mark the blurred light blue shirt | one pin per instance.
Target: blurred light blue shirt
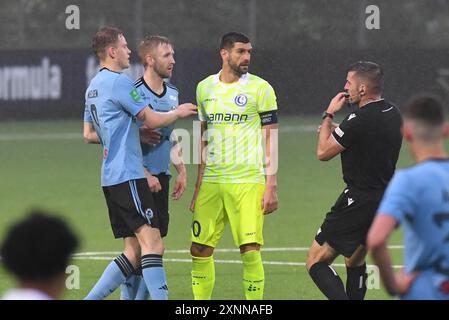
(418, 198)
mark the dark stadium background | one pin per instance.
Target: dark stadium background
(301, 47)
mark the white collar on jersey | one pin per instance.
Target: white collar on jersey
(373, 101)
(243, 79)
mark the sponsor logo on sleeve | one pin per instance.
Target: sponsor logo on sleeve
(135, 95)
(339, 132)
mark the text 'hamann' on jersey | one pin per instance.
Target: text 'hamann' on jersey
(227, 117)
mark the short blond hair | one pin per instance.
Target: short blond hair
(148, 44)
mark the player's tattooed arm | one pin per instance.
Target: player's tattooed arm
(153, 119)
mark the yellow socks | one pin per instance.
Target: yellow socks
(203, 277)
(253, 275)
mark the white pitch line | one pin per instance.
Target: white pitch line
(281, 249)
(278, 263)
(396, 247)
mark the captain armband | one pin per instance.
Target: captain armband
(268, 117)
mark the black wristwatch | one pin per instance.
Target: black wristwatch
(327, 114)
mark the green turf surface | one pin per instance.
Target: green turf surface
(63, 175)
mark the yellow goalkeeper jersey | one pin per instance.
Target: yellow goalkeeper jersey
(232, 111)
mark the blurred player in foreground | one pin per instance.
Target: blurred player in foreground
(37, 251)
(418, 198)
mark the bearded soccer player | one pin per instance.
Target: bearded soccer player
(157, 56)
(238, 114)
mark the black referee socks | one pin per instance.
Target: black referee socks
(328, 281)
(356, 282)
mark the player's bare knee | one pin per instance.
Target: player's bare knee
(132, 250)
(318, 254)
(311, 260)
(249, 247)
(134, 247)
(156, 247)
(131, 243)
(150, 240)
(159, 247)
(199, 250)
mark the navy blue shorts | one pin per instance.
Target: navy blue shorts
(130, 205)
(161, 201)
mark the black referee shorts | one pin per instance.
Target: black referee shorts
(346, 226)
(161, 201)
(130, 205)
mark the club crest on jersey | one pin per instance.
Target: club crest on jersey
(241, 100)
(149, 214)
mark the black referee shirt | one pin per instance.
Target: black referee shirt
(372, 140)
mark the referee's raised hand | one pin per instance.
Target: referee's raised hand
(337, 103)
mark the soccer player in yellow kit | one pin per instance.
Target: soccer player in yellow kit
(238, 114)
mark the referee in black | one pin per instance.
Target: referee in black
(369, 140)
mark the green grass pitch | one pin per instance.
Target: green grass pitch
(46, 165)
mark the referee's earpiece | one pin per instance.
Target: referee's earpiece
(362, 90)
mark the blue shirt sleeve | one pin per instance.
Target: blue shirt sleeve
(87, 115)
(398, 199)
(127, 95)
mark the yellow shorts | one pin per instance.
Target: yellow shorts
(240, 204)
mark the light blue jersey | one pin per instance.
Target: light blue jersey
(418, 198)
(112, 104)
(157, 159)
